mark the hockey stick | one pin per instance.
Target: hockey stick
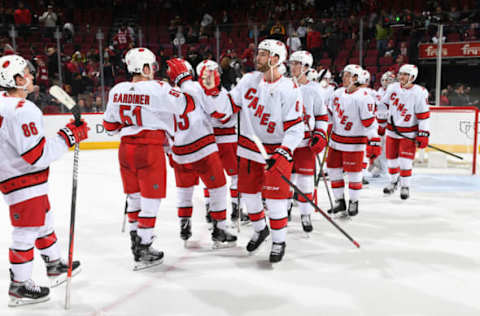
(430, 146)
(66, 100)
(294, 187)
(238, 166)
(125, 215)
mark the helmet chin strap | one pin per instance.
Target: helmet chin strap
(24, 87)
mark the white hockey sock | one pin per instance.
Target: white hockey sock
(337, 182)
(46, 241)
(277, 212)
(354, 185)
(147, 218)
(254, 205)
(133, 209)
(305, 184)
(405, 171)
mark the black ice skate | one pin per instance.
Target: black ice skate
(306, 223)
(278, 250)
(146, 256)
(365, 181)
(222, 238)
(391, 188)
(57, 271)
(208, 218)
(22, 293)
(352, 208)
(404, 193)
(135, 241)
(340, 206)
(185, 229)
(257, 239)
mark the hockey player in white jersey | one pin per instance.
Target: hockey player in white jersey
(406, 110)
(354, 125)
(195, 156)
(141, 112)
(226, 139)
(316, 122)
(25, 155)
(270, 107)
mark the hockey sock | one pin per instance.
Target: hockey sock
(305, 184)
(147, 218)
(46, 243)
(254, 205)
(337, 182)
(405, 171)
(278, 219)
(133, 209)
(354, 185)
(21, 252)
(393, 169)
(218, 205)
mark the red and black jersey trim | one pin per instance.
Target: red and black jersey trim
(249, 144)
(224, 131)
(423, 116)
(190, 106)
(350, 140)
(112, 126)
(24, 181)
(321, 118)
(194, 146)
(288, 124)
(401, 129)
(217, 115)
(235, 107)
(381, 121)
(35, 153)
(368, 122)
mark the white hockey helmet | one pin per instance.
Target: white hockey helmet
(312, 75)
(189, 67)
(302, 56)
(354, 70)
(364, 77)
(274, 47)
(327, 77)
(387, 78)
(282, 69)
(209, 64)
(411, 70)
(138, 57)
(11, 66)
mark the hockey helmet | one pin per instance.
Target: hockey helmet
(274, 47)
(302, 56)
(411, 70)
(11, 66)
(138, 57)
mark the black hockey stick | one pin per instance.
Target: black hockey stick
(296, 189)
(125, 215)
(66, 100)
(414, 140)
(238, 167)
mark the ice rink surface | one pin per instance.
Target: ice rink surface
(417, 257)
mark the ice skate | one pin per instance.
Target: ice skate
(222, 238)
(23, 293)
(236, 212)
(340, 206)
(207, 214)
(134, 240)
(146, 256)
(404, 193)
(391, 188)
(365, 181)
(257, 239)
(352, 208)
(306, 223)
(57, 271)
(185, 230)
(278, 251)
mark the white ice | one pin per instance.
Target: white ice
(417, 257)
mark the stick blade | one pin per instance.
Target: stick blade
(62, 96)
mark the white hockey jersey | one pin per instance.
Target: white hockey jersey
(408, 108)
(315, 114)
(25, 152)
(353, 120)
(225, 131)
(145, 105)
(270, 110)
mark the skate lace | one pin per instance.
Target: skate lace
(32, 287)
(276, 248)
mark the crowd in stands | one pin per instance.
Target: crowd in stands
(328, 29)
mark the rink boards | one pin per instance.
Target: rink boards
(452, 131)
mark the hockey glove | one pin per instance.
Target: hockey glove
(281, 161)
(422, 139)
(210, 81)
(177, 71)
(74, 134)
(381, 130)
(373, 148)
(318, 141)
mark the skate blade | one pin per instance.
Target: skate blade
(145, 265)
(223, 245)
(60, 279)
(343, 215)
(15, 301)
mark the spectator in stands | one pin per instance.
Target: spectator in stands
(108, 72)
(23, 19)
(444, 98)
(314, 43)
(468, 98)
(293, 42)
(41, 78)
(49, 20)
(52, 62)
(391, 50)
(97, 106)
(302, 32)
(122, 40)
(38, 97)
(278, 31)
(382, 35)
(82, 105)
(453, 14)
(436, 38)
(6, 19)
(248, 58)
(193, 57)
(262, 31)
(403, 49)
(458, 97)
(68, 32)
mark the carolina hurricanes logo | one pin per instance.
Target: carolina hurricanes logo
(5, 64)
